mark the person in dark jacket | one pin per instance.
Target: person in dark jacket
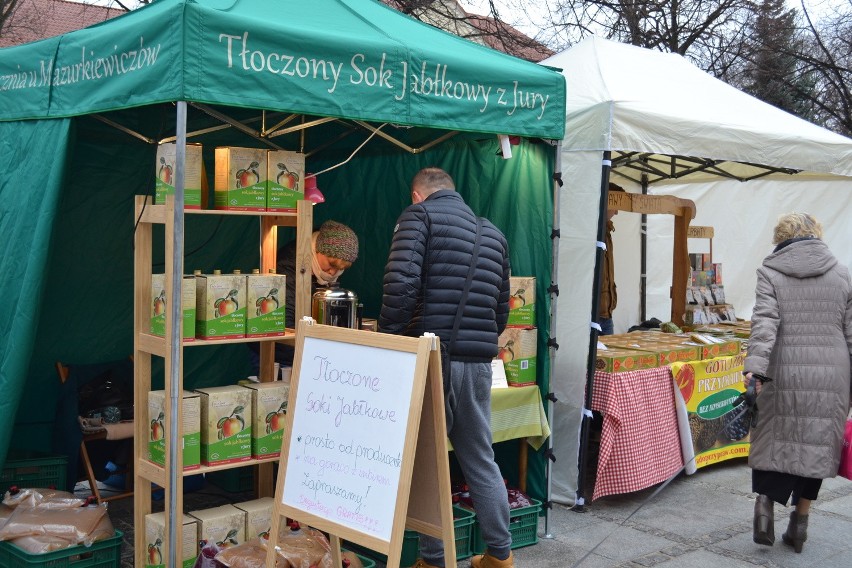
(430, 257)
(801, 339)
(334, 247)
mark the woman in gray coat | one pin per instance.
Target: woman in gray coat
(801, 343)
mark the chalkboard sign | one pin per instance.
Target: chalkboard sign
(348, 433)
(364, 408)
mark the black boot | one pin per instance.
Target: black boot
(764, 521)
(797, 531)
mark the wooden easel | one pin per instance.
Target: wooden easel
(419, 496)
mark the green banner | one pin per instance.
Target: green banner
(354, 59)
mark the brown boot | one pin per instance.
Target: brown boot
(797, 531)
(764, 521)
(422, 564)
(488, 561)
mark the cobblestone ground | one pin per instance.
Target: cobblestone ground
(702, 520)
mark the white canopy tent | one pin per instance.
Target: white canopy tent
(657, 117)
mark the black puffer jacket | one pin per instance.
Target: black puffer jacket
(427, 267)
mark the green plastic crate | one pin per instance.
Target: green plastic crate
(523, 526)
(31, 469)
(367, 562)
(463, 522)
(102, 554)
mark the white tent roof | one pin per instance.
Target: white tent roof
(660, 115)
(629, 99)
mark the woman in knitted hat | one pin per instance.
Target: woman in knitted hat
(334, 248)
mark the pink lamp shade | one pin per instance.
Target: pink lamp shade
(312, 192)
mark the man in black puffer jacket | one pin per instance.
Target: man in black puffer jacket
(430, 257)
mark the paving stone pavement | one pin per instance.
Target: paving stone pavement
(697, 521)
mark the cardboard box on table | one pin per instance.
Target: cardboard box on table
(220, 525)
(225, 425)
(620, 360)
(517, 349)
(258, 513)
(522, 301)
(191, 429)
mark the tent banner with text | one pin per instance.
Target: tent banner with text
(710, 390)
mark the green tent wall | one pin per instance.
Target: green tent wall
(67, 184)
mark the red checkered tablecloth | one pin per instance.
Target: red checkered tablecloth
(640, 444)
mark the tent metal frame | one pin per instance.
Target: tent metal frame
(666, 167)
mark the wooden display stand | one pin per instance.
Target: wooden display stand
(145, 345)
(683, 211)
(365, 470)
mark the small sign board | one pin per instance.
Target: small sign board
(363, 406)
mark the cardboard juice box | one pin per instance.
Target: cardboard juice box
(155, 536)
(620, 360)
(191, 428)
(268, 416)
(266, 301)
(220, 301)
(240, 179)
(258, 517)
(517, 349)
(195, 179)
(159, 305)
(225, 526)
(522, 301)
(286, 180)
(225, 424)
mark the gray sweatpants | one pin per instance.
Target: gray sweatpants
(467, 401)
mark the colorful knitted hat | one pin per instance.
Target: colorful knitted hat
(337, 241)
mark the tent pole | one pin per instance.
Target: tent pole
(643, 268)
(606, 166)
(554, 296)
(176, 347)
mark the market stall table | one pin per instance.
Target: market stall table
(640, 445)
(517, 412)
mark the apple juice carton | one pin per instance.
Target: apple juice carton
(240, 179)
(220, 301)
(225, 526)
(258, 517)
(159, 304)
(225, 425)
(266, 301)
(517, 349)
(191, 437)
(195, 194)
(155, 537)
(268, 416)
(521, 301)
(285, 180)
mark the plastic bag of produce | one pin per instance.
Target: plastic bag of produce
(41, 497)
(74, 525)
(249, 554)
(304, 547)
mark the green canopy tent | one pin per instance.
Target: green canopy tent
(81, 115)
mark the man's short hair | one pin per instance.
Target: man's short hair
(430, 180)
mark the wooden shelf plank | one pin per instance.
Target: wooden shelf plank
(288, 337)
(152, 344)
(157, 474)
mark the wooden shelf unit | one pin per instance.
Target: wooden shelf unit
(146, 344)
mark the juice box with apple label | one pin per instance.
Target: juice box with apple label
(269, 414)
(266, 304)
(285, 180)
(240, 179)
(220, 301)
(225, 526)
(258, 516)
(159, 304)
(521, 301)
(155, 537)
(195, 190)
(191, 436)
(517, 349)
(225, 424)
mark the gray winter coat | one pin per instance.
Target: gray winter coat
(801, 337)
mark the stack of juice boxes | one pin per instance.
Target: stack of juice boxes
(224, 306)
(222, 425)
(247, 179)
(518, 343)
(252, 179)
